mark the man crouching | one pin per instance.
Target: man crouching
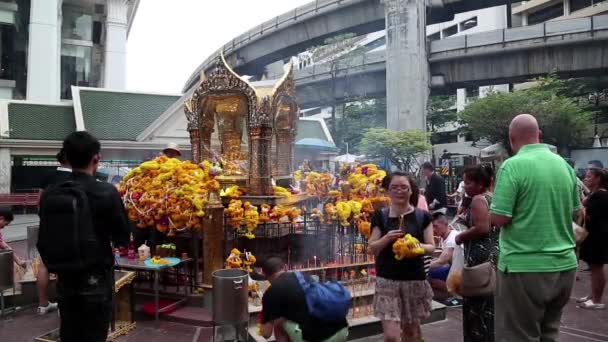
(285, 312)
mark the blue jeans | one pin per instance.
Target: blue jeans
(440, 273)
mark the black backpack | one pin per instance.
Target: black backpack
(67, 241)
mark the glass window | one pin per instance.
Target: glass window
(450, 31)
(546, 14)
(7, 52)
(468, 24)
(76, 24)
(576, 5)
(75, 68)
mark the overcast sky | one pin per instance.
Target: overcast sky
(169, 39)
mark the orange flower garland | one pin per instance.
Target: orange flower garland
(168, 193)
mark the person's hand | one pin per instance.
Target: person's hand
(21, 263)
(393, 235)
(458, 240)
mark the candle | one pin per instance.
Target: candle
(315, 258)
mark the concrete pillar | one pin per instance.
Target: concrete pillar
(116, 45)
(5, 170)
(43, 81)
(524, 19)
(461, 99)
(407, 67)
(567, 10)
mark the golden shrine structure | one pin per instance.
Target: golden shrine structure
(255, 124)
(262, 115)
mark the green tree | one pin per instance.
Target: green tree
(356, 118)
(441, 111)
(562, 119)
(402, 148)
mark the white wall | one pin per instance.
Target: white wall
(488, 19)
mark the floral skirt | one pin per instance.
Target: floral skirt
(402, 301)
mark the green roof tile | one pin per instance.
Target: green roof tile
(40, 122)
(121, 116)
(310, 129)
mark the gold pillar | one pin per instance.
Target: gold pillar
(195, 145)
(213, 241)
(260, 140)
(285, 152)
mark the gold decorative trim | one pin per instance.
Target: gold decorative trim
(122, 329)
(125, 280)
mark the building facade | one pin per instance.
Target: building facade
(51, 53)
(50, 45)
(538, 11)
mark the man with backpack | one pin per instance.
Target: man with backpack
(78, 220)
(286, 307)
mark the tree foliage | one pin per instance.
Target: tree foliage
(561, 118)
(440, 112)
(356, 118)
(402, 148)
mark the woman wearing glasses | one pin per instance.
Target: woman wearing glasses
(403, 296)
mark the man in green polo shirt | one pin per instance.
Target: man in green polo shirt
(534, 201)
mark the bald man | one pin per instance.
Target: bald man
(534, 202)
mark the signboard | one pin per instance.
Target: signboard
(445, 167)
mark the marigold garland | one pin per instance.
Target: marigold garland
(168, 193)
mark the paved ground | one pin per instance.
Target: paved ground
(577, 325)
(17, 230)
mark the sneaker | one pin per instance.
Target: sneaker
(453, 302)
(582, 299)
(590, 305)
(42, 310)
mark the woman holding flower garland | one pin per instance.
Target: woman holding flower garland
(403, 296)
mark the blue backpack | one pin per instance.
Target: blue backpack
(328, 302)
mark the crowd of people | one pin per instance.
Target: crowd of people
(518, 229)
(518, 233)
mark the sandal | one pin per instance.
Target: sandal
(583, 299)
(590, 305)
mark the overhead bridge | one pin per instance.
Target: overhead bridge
(572, 48)
(309, 25)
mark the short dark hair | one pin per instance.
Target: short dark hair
(61, 157)
(602, 174)
(428, 166)
(386, 182)
(80, 148)
(596, 164)
(7, 214)
(272, 265)
(480, 174)
(438, 215)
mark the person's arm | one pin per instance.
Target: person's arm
(577, 213)
(377, 242)
(481, 221)
(444, 259)
(16, 258)
(505, 197)
(429, 240)
(267, 329)
(119, 222)
(4, 245)
(271, 311)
